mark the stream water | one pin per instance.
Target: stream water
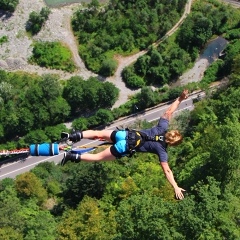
(208, 55)
(213, 49)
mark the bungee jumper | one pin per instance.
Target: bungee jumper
(126, 142)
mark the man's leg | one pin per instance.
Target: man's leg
(88, 134)
(119, 148)
(105, 155)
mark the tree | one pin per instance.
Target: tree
(144, 217)
(37, 20)
(9, 215)
(51, 177)
(58, 110)
(6, 91)
(51, 87)
(9, 233)
(29, 186)
(73, 93)
(141, 65)
(26, 121)
(81, 182)
(135, 82)
(146, 97)
(104, 116)
(9, 5)
(80, 123)
(39, 224)
(54, 132)
(108, 94)
(36, 136)
(88, 221)
(155, 57)
(108, 67)
(202, 30)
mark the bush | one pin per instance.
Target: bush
(108, 67)
(135, 82)
(8, 5)
(3, 39)
(37, 20)
(52, 55)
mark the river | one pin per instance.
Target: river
(209, 55)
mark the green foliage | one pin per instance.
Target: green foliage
(232, 34)
(104, 116)
(88, 95)
(108, 67)
(3, 39)
(92, 184)
(232, 52)
(9, 215)
(50, 176)
(121, 27)
(88, 221)
(158, 66)
(8, 233)
(53, 132)
(29, 186)
(135, 82)
(206, 19)
(37, 20)
(31, 103)
(213, 72)
(39, 224)
(147, 218)
(53, 55)
(80, 123)
(146, 98)
(9, 5)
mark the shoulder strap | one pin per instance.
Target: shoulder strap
(156, 138)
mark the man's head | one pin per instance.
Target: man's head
(173, 138)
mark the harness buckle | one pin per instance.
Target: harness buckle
(161, 138)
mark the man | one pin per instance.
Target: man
(153, 140)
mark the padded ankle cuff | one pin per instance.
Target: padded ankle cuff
(76, 136)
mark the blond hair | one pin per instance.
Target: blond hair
(173, 138)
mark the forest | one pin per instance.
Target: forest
(129, 198)
(122, 27)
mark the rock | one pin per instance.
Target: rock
(3, 64)
(15, 63)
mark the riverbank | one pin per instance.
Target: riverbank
(208, 56)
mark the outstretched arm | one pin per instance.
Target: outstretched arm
(175, 104)
(169, 175)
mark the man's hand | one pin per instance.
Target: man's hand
(175, 104)
(184, 95)
(179, 193)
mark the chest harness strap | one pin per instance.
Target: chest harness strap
(135, 139)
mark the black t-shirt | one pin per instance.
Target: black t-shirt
(153, 146)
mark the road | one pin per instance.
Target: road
(12, 169)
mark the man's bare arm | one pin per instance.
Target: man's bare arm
(175, 104)
(169, 175)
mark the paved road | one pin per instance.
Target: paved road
(15, 168)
